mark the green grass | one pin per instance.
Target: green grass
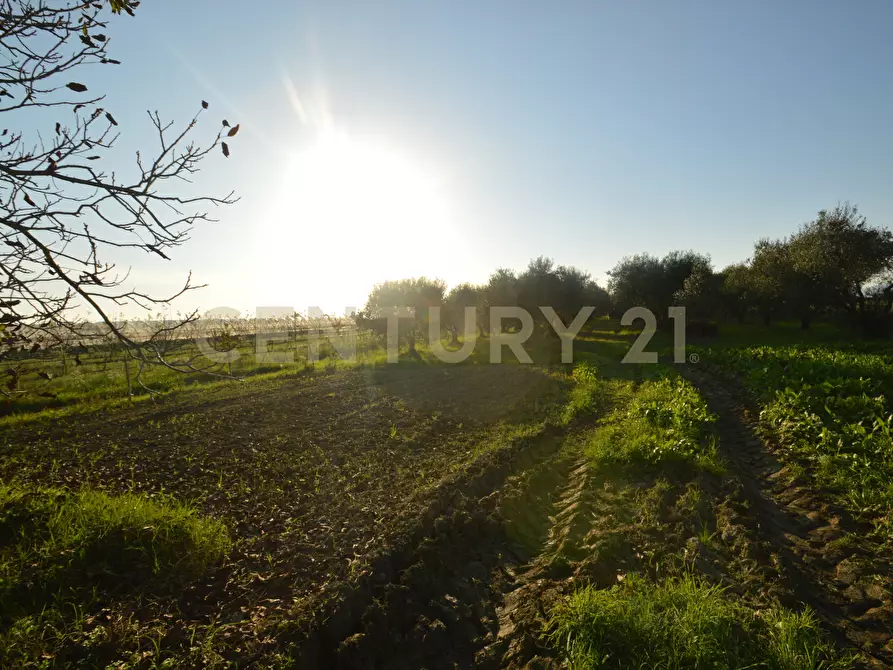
(658, 437)
(358, 450)
(100, 383)
(684, 623)
(664, 423)
(101, 378)
(783, 333)
(604, 342)
(589, 394)
(65, 555)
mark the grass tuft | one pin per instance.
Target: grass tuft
(684, 623)
(591, 395)
(65, 554)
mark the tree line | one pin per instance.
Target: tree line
(836, 267)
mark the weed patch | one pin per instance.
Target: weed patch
(830, 409)
(589, 395)
(665, 424)
(66, 554)
(684, 623)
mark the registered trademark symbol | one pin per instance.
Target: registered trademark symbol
(694, 358)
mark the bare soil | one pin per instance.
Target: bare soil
(314, 476)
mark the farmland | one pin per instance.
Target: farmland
(829, 408)
(669, 447)
(290, 465)
(433, 515)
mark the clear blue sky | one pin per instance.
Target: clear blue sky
(584, 131)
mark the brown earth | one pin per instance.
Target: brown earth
(314, 476)
(478, 587)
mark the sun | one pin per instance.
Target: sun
(353, 211)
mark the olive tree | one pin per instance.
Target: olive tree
(839, 254)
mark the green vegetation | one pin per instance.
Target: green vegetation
(836, 266)
(321, 481)
(310, 474)
(63, 553)
(831, 277)
(50, 386)
(669, 529)
(665, 423)
(831, 409)
(684, 623)
(51, 382)
(587, 395)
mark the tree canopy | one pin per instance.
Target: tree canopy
(836, 265)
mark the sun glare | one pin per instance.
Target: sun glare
(351, 212)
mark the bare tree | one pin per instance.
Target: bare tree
(64, 214)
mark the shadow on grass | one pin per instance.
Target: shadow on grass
(59, 545)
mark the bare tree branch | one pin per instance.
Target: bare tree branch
(62, 216)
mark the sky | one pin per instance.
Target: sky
(381, 140)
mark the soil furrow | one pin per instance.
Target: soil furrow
(433, 602)
(473, 587)
(539, 581)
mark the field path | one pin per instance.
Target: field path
(822, 555)
(535, 584)
(474, 589)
